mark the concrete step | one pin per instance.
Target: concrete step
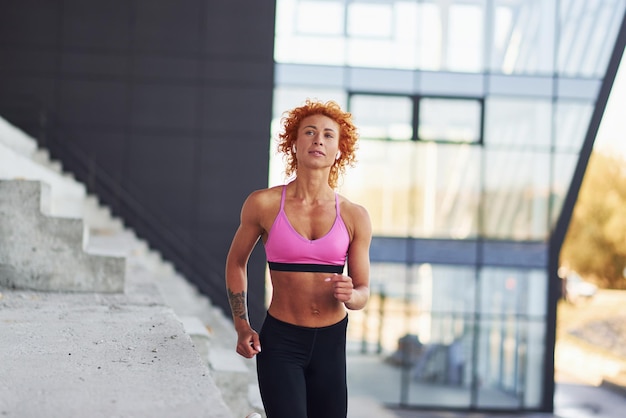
(20, 158)
(16, 139)
(231, 376)
(66, 195)
(75, 355)
(99, 218)
(211, 332)
(42, 157)
(41, 252)
(199, 336)
(231, 373)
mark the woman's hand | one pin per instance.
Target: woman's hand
(345, 292)
(248, 343)
(342, 287)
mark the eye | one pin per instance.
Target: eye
(309, 132)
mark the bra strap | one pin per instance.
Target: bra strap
(282, 198)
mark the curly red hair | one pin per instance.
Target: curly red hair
(348, 136)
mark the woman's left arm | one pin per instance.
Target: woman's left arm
(359, 258)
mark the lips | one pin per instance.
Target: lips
(317, 152)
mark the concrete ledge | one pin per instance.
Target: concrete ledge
(199, 336)
(38, 252)
(232, 378)
(254, 397)
(75, 355)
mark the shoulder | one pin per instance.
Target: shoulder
(261, 206)
(352, 208)
(355, 216)
(264, 197)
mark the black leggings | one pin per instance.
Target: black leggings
(302, 371)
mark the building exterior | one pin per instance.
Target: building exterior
(477, 118)
(160, 107)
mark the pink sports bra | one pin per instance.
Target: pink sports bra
(287, 250)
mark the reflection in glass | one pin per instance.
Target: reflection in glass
(572, 119)
(516, 195)
(453, 120)
(507, 338)
(464, 30)
(522, 36)
(421, 324)
(319, 18)
(470, 332)
(518, 123)
(445, 191)
(421, 189)
(380, 182)
(383, 117)
(564, 166)
(419, 331)
(310, 32)
(585, 26)
(370, 20)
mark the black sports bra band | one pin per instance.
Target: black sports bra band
(311, 268)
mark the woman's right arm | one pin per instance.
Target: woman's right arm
(243, 243)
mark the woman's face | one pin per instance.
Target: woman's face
(318, 141)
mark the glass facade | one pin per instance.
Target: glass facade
(472, 115)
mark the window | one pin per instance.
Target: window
(450, 120)
(370, 20)
(383, 117)
(320, 18)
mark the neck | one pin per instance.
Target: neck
(312, 188)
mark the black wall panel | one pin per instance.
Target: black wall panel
(98, 103)
(33, 23)
(162, 107)
(97, 25)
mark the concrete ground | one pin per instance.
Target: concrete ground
(102, 355)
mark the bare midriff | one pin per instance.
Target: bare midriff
(305, 299)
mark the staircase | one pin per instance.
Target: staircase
(44, 253)
(60, 247)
